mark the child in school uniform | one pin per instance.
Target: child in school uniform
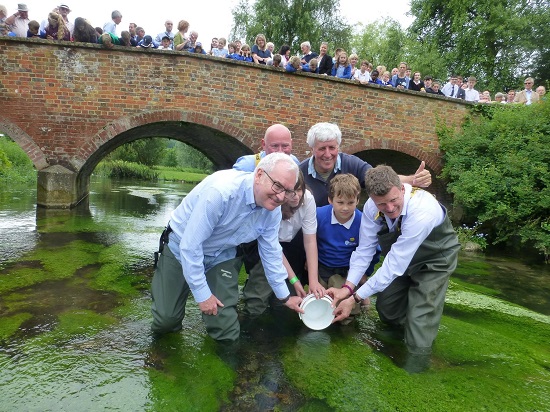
(338, 225)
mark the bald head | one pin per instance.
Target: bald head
(277, 138)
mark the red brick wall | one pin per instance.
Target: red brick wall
(63, 102)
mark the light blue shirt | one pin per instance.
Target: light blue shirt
(213, 219)
(248, 163)
(311, 166)
(110, 27)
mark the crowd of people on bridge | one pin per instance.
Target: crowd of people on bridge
(58, 26)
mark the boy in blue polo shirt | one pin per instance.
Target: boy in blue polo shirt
(338, 226)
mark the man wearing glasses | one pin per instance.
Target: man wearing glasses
(528, 95)
(198, 252)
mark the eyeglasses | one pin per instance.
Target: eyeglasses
(528, 83)
(278, 188)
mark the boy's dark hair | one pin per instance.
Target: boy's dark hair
(33, 24)
(344, 185)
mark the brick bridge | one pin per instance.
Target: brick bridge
(68, 105)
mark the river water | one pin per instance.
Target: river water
(75, 316)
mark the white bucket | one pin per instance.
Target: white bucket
(317, 312)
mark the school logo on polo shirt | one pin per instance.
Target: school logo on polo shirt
(351, 242)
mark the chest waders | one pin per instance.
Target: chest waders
(415, 300)
(170, 291)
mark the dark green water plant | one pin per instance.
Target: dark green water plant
(497, 167)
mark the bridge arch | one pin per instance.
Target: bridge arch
(25, 142)
(220, 141)
(67, 104)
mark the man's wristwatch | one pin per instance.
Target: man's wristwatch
(357, 298)
(285, 300)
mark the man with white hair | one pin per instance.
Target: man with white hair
(326, 162)
(307, 53)
(198, 249)
(528, 95)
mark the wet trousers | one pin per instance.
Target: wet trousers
(170, 292)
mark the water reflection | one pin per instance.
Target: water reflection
(17, 222)
(508, 278)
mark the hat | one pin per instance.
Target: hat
(64, 6)
(22, 7)
(198, 44)
(147, 41)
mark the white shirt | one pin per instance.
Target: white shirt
(362, 77)
(471, 95)
(421, 214)
(305, 218)
(20, 27)
(447, 90)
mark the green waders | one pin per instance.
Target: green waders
(170, 292)
(258, 294)
(415, 299)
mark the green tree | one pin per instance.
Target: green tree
(291, 22)
(498, 168)
(497, 41)
(189, 157)
(149, 151)
(382, 42)
(385, 42)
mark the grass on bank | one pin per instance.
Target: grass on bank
(123, 169)
(185, 174)
(15, 165)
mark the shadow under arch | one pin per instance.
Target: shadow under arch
(219, 147)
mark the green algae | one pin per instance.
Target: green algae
(113, 274)
(471, 363)
(10, 325)
(490, 355)
(62, 222)
(56, 263)
(78, 323)
(472, 268)
(476, 288)
(52, 263)
(473, 301)
(188, 375)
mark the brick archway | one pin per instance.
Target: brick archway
(66, 104)
(24, 141)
